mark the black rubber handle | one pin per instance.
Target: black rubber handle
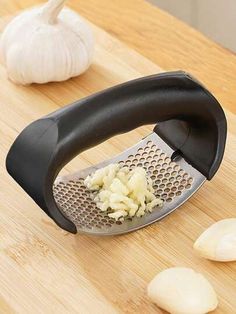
(192, 121)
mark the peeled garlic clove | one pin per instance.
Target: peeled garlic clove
(182, 291)
(46, 43)
(218, 242)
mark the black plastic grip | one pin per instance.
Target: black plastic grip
(191, 121)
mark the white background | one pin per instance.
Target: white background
(215, 18)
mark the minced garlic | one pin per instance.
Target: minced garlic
(123, 192)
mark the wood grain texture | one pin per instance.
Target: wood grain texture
(160, 37)
(44, 269)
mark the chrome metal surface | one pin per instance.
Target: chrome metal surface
(174, 182)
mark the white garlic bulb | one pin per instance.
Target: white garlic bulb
(218, 242)
(45, 44)
(180, 290)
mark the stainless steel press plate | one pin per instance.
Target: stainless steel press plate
(174, 183)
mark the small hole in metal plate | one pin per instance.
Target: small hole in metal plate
(190, 180)
(176, 167)
(167, 160)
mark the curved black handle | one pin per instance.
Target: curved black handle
(195, 125)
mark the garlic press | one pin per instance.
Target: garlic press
(184, 150)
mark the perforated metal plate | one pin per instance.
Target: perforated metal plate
(174, 182)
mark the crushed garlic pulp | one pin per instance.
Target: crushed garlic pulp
(123, 192)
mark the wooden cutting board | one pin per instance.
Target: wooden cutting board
(44, 269)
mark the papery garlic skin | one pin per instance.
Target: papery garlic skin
(218, 242)
(180, 290)
(39, 47)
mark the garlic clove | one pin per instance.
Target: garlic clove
(180, 290)
(218, 242)
(52, 43)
